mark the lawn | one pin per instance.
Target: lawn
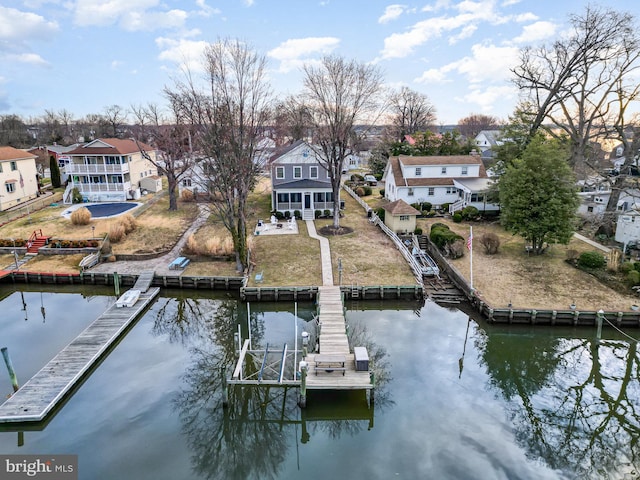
(531, 281)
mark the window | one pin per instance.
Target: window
(465, 170)
(418, 171)
(313, 172)
(318, 197)
(590, 209)
(443, 170)
(283, 198)
(279, 173)
(410, 192)
(404, 218)
(431, 191)
(14, 166)
(451, 190)
(11, 187)
(296, 198)
(297, 172)
(477, 197)
(186, 182)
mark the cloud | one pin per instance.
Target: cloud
(131, 15)
(18, 26)
(392, 12)
(28, 58)
(182, 52)
(205, 10)
(487, 97)
(487, 64)
(536, 31)
(295, 52)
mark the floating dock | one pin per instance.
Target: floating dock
(40, 395)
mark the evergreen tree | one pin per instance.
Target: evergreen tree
(538, 194)
(55, 172)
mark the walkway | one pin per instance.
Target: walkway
(592, 243)
(325, 254)
(159, 264)
(47, 388)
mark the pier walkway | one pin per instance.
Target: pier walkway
(40, 395)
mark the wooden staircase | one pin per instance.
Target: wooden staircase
(36, 241)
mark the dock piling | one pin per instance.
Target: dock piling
(116, 283)
(12, 373)
(225, 388)
(303, 384)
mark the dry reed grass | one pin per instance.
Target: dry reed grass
(81, 216)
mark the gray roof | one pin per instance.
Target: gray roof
(304, 183)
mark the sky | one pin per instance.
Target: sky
(83, 56)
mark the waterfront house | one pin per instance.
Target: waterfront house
(299, 181)
(18, 176)
(110, 170)
(454, 180)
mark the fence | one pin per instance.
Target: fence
(28, 209)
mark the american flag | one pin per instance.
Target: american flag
(470, 241)
(21, 180)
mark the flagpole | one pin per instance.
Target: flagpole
(471, 256)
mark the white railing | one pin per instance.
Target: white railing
(455, 206)
(82, 168)
(100, 187)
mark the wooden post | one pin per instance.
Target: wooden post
(12, 373)
(303, 384)
(372, 376)
(116, 283)
(225, 388)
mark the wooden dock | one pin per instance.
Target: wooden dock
(40, 395)
(333, 342)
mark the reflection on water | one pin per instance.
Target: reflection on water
(454, 398)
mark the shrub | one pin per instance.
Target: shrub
(129, 223)
(382, 192)
(491, 243)
(81, 216)
(457, 217)
(367, 190)
(380, 212)
(633, 278)
(426, 206)
(445, 207)
(442, 236)
(592, 260)
(279, 215)
(627, 267)
(326, 213)
(187, 196)
(76, 196)
(357, 178)
(470, 213)
(418, 231)
(297, 214)
(287, 214)
(636, 265)
(359, 191)
(317, 214)
(455, 249)
(116, 232)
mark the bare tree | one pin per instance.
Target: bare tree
(411, 112)
(338, 94)
(172, 138)
(115, 116)
(291, 121)
(473, 124)
(574, 83)
(231, 112)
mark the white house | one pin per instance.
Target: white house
(18, 176)
(628, 227)
(299, 181)
(487, 139)
(457, 180)
(109, 169)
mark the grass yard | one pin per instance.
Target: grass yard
(531, 281)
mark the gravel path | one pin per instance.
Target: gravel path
(159, 264)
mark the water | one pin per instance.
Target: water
(456, 398)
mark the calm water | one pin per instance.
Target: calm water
(456, 399)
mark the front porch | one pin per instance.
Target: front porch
(305, 203)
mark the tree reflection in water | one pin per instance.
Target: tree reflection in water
(575, 402)
(251, 437)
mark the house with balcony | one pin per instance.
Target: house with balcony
(18, 176)
(110, 170)
(299, 181)
(454, 180)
